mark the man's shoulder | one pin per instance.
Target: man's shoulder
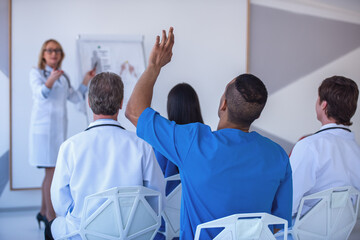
(131, 136)
(308, 145)
(327, 140)
(79, 137)
(270, 143)
(117, 136)
(312, 140)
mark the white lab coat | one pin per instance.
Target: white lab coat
(324, 160)
(96, 160)
(48, 124)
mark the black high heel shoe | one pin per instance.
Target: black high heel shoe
(41, 218)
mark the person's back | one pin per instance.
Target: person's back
(336, 157)
(330, 157)
(102, 157)
(230, 171)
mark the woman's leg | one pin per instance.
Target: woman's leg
(43, 206)
(49, 173)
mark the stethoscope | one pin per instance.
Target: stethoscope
(101, 125)
(47, 74)
(322, 130)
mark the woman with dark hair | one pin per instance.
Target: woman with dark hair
(183, 107)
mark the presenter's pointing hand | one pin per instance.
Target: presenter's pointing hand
(54, 75)
(161, 53)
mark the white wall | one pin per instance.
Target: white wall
(299, 118)
(210, 49)
(290, 111)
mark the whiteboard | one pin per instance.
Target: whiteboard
(121, 54)
(210, 50)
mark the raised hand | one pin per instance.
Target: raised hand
(161, 53)
(141, 96)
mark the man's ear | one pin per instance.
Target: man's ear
(223, 105)
(121, 104)
(323, 105)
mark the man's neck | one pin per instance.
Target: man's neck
(100, 116)
(227, 124)
(327, 121)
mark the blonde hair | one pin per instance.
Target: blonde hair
(41, 62)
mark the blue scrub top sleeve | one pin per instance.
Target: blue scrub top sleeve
(171, 140)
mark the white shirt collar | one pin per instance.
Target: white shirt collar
(330, 125)
(104, 121)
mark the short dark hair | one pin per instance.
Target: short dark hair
(341, 95)
(246, 98)
(106, 92)
(183, 105)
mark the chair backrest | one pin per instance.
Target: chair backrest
(249, 226)
(125, 213)
(171, 213)
(330, 214)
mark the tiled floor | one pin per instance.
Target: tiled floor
(22, 225)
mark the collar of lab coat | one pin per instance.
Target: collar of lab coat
(329, 125)
(339, 132)
(104, 121)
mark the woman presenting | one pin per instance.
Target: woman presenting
(48, 125)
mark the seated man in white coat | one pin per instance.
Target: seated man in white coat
(104, 156)
(330, 157)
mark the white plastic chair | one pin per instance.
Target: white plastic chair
(332, 217)
(249, 226)
(126, 213)
(171, 213)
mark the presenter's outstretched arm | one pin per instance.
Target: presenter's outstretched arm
(141, 96)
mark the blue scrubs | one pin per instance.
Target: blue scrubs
(222, 172)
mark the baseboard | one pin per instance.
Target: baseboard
(19, 209)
